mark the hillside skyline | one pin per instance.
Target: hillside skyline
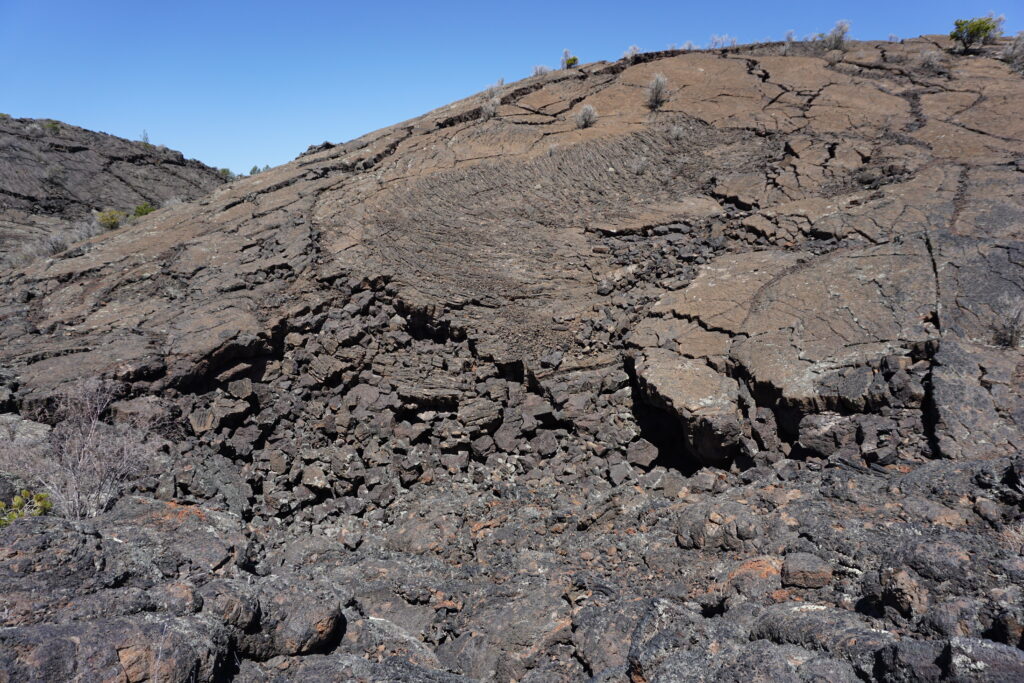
(236, 86)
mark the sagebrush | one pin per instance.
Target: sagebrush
(931, 61)
(657, 92)
(489, 108)
(50, 245)
(836, 38)
(586, 117)
(1013, 53)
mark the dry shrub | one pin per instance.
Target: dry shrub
(1013, 53)
(932, 62)
(638, 166)
(492, 100)
(657, 92)
(836, 38)
(718, 42)
(489, 108)
(586, 117)
(84, 464)
(51, 245)
(1012, 537)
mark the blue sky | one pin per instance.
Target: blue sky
(241, 83)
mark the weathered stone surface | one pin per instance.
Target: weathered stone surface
(712, 392)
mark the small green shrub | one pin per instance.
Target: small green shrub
(568, 60)
(970, 32)
(111, 218)
(4, 116)
(25, 504)
(143, 209)
(53, 127)
(226, 172)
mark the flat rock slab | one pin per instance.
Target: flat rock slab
(723, 293)
(846, 309)
(793, 322)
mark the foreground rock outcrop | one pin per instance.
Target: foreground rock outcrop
(715, 392)
(54, 176)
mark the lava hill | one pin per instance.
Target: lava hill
(717, 385)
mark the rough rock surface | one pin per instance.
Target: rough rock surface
(53, 176)
(707, 393)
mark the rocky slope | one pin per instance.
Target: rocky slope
(711, 392)
(53, 176)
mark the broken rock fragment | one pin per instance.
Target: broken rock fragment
(703, 400)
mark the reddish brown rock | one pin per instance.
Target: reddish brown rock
(805, 570)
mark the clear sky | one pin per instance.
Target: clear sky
(241, 83)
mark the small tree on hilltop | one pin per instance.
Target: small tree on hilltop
(970, 32)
